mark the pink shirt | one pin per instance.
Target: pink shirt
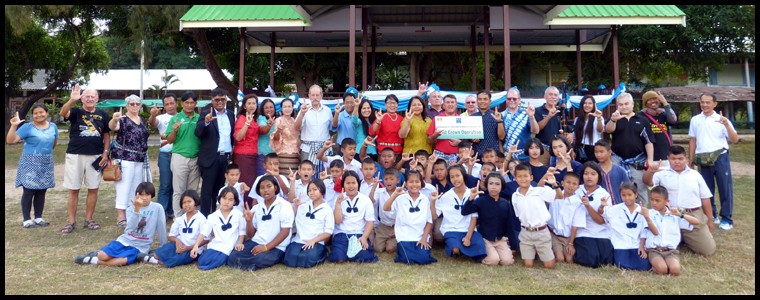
(288, 142)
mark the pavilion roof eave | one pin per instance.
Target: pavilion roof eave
(493, 48)
(580, 21)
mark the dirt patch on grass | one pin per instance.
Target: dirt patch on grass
(742, 169)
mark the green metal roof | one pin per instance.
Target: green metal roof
(622, 11)
(241, 12)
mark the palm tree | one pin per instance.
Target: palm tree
(168, 79)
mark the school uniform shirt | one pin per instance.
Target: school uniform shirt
(365, 189)
(685, 190)
(622, 237)
(224, 240)
(428, 190)
(410, 226)
(330, 194)
(253, 194)
(530, 208)
(355, 221)
(143, 226)
(565, 214)
(301, 189)
(241, 205)
(496, 217)
(187, 231)
(355, 165)
(387, 218)
(450, 206)
(669, 227)
(308, 228)
(281, 212)
(475, 170)
(711, 135)
(593, 229)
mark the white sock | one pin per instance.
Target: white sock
(152, 260)
(92, 260)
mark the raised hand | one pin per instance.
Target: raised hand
(644, 210)
(723, 120)
(553, 112)
(584, 200)
(15, 121)
(674, 211)
(329, 143)
(432, 158)
(496, 115)
(211, 116)
(117, 115)
(323, 175)
(247, 213)
(422, 89)
(338, 108)
(274, 172)
(513, 149)
(412, 163)
(369, 141)
(270, 121)
(248, 117)
(177, 125)
(76, 93)
(435, 195)
(597, 113)
(661, 98)
(292, 175)
(616, 116)
(297, 201)
(400, 189)
(605, 201)
(341, 197)
(550, 179)
(475, 191)
(655, 166)
(407, 156)
(155, 110)
(244, 187)
(531, 111)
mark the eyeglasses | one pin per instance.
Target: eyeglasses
(513, 99)
(217, 99)
(470, 102)
(134, 104)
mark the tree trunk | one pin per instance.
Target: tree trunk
(199, 35)
(424, 69)
(414, 71)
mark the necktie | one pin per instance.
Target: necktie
(188, 228)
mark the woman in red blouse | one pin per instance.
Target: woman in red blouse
(246, 141)
(387, 125)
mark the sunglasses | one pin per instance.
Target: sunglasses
(134, 104)
(513, 99)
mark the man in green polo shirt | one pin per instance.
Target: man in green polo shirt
(184, 163)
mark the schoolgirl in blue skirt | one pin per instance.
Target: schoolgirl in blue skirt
(593, 247)
(458, 230)
(315, 222)
(183, 234)
(628, 223)
(228, 226)
(414, 221)
(354, 217)
(269, 229)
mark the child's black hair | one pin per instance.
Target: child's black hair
(347, 142)
(319, 184)
(489, 149)
(488, 164)
(346, 175)
(659, 190)
(594, 166)
(496, 175)
(392, 172)
(422, 152)
(440, 161)
(232, 167)
(676, 150)
(146, 188)
(500, 155)
(632, 186)
(336, 164)
(271, 179)
(369, 161)
(461, 170)
(229, 189)
(271, 156)
(573, 174)
(192, 194)
(604, 144)
(411, 173)
(523, 167)
(306, 162)
(464, 145)
(530, 143)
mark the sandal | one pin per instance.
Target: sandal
(41, 222)
(68, 228)
(28, 224)
(91, 225)
(122, 223)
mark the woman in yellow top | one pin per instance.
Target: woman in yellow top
(414, 127)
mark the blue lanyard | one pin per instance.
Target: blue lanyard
(267, 216)
(310, 214)
(224, 226)
(188, 228)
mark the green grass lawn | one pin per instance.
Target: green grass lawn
(41, 261)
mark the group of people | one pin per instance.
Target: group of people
(564, 195)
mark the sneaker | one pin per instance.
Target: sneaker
(725, 226)
(141, 257)
(716, 220)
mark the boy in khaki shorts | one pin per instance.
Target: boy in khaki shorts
(530, 207)
(669, 221)
(385, 237)
(567, 216)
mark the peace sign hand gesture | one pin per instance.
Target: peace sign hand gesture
(155, 110)
(15, 121)
(117, 115)
(177, 125)
(247, 213)
(475, 191)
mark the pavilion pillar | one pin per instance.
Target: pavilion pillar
(271, 61)
(507, 54)
(578, 59)
(615, 58)
(487, 61)
(364, 49)
(374, 43)
(750, 111)
(241, 81)
(351, 46)
(473, 43)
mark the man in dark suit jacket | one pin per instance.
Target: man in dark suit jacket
(216, 135)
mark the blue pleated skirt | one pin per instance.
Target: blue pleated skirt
(117, 249)
(630, 259)
(296, 257)
(339, 247)
(476, 250)
(593, 252)
(168, 255)
(211, 259)
(409, 253)
(247, 261)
